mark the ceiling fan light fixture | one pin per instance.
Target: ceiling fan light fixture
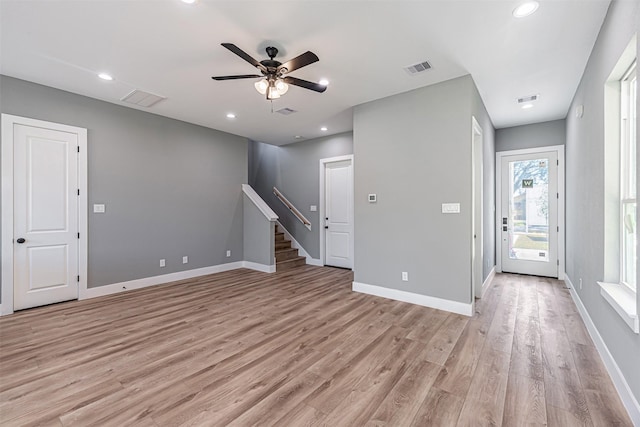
(262, 86)
(282, 87)
(272, 92)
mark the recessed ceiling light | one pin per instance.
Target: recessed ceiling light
(188, 1)
(298, 137)
(527, 106)
(105, 76)
(231, 116)
(324, 82)
(323, 129)
(525, 9)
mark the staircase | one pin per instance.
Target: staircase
(286, 256)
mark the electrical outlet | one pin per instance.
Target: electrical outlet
(228, 254)
(185, 259)
(405, 276)
(580, 283)
(163, 263)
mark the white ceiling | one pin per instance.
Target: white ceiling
(172, 49)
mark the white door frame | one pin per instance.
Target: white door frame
(559, 149)
(8, 122)
(477, 242)
(322, 212)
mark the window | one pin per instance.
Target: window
(618, 286)
(628, 230)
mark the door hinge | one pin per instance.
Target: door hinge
(557, 195)
(78, 278)
(558, 228)
(78, 191)
(558, 262)
(557, 162)
(78, 235)
(78, 147)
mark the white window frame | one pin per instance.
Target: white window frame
(628, 147)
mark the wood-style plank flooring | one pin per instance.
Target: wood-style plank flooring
(298, 348)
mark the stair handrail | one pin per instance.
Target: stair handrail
(292, 208)
(260, 204)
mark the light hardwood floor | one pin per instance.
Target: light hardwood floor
(299, 348)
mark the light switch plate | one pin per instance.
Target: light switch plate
(98, 208)
(313, 208)
(373, 198)
(451, 208)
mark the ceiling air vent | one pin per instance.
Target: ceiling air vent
(529, 98)
(142, 98)
(417, 68)
(286, 111)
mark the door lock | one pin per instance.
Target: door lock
(20, 240)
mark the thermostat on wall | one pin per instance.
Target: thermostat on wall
(373, 198)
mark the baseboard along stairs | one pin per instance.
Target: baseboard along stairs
(286, 256)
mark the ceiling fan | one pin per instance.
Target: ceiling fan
(275, 80)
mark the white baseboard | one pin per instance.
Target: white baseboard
(619, 381)
(171, 277)
(487, 281)
(424, 300)
(298, 246)
(259, 267)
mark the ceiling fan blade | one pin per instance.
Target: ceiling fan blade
(241, 76)
(244, 55)
(300, 61)
(305, 84)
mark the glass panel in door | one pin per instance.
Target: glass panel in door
(529, 214)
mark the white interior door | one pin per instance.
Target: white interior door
(339, 214)
(529, 217)
(45, 216)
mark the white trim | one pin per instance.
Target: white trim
(321, 210)
(487, 281)
(418, 299)
(477, 217)
(624, 391)
(8, 122)
(259, 267)
(623, 301)
(145, 282)
(260, 204)
(298, 246)
(559, 149)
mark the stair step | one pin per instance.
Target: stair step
(291, 263)
(283, 244)
(285, 254)
(279, 236)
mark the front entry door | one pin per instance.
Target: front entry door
(529, 217)
(339, 214)
(45, 230)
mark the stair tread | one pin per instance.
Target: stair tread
(285, 250)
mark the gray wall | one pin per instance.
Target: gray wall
(295, 170)
(170, 188)
(259, 234)
(531, 136)
(414, 151)
(585, 188)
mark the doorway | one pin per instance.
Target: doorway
(336, 211)
(44, 212)
(530, 200)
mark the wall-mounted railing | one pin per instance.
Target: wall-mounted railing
(292, 208)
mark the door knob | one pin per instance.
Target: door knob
(20, 240)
